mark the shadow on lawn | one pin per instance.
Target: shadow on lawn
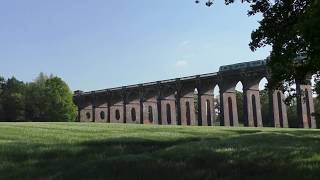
(249, 156)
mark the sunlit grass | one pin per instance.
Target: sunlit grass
(120, 151)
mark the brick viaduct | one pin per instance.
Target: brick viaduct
(172, 102)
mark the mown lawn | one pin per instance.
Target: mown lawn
(118, 151)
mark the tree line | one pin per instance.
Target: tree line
(47, 98)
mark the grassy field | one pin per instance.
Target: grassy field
(118, 151)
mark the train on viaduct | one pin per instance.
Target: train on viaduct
(174, 101)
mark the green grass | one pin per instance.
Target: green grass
(118, 151)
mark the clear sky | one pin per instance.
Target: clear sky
(97, 44)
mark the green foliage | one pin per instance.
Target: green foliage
(317, 89)
(2, 84)
(45, 99)
(217, 107)
(265, 108)
(264, 100)
(59, 101)
(36, 99)
(196, 107)
(293, 114)
(241, 118)
(317, 110)
(100, 151)
(12, 100)
(291, 28)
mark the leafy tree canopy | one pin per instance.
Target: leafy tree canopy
(59, 101)
(291, 28)
(48, 98)
(12, 100)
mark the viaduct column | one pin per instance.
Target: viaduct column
(117, 107)
(141, 99)
(125, 101)
(78, 100)
(93, 102)
(79, 114)
(206, 114)
(100, 107)
(86, 106)
(228, 102)
(278, 109)
(178, 88)
(168, 105)
(133, 106)
(150, 105)
(187, 108)
(108, 109)
(251, 102)
(305, 106)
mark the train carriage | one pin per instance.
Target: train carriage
(244, 65)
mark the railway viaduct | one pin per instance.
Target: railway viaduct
(174, 101)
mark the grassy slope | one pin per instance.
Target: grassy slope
(109, 151)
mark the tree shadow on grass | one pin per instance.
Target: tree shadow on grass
(249, 156)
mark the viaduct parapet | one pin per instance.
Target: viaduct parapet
(189, 101)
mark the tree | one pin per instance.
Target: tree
(59, 105)
(48, 98)
(13, 101)
(291, 28)
(217, 106)
(239, 97)
(2, 83)
(292, 114)
(265, 108)
(317, 111)
(36, 98)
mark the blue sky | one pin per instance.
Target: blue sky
(96, 44)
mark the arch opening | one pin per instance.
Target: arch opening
(292, 106)
(230, 111)
(188, 113)
(308, 107)
(88, 115)
(208, 112)
(239, 87)
(241, 104)
(280, 109)
(168, 108)
(266, 115)
(254, 111)
(102, 115)
(133, 114)
(150, 114)
(117, 115)
(216, 105)
(196, 105)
